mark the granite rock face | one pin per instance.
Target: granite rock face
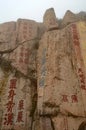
(68, 18)
(43, 74)
(50, 20)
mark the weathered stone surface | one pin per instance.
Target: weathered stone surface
(26, 30)
(58, 84)
(7, 36)
(43, 123)
(23, 58)
(43, 74)
(68, 123)
(68, 18)
(15, 104)
(18, 76)
(50, 20)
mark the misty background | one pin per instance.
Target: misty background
(11, 10)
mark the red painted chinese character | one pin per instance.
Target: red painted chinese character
(74, 31)
(8, 119)
(75, 36)
(27, 50)
(21, 54)
(30, 27)
(82, 75)
(25, 27)
(24, 31)
(22, 48)
(30, 31)
(73, 26)
(74, 98)
(83, 86)
(25, 36)
(26, 61)
(82, 81)
(76, 42)
(26, 54)
(20, 116)
(13, 83)
(21, 104)
(20, 60)
(10, 106)
(79, 70)
(11, 94)
(65, 98)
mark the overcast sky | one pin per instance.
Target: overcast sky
(11, 10)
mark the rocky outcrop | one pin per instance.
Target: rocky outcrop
(68, 18)
(50, 20)
(42, 74)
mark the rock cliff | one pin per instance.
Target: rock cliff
(43, 73)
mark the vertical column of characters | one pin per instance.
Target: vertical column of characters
(80, 63)
(27, 31)
(73, 98)
(30, 30)
(9, 115)
(20, 115)
(24, 57)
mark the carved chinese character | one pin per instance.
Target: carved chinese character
(82, 81)
(21, 105)
(26, 61)
(10, 106)
(83, 86)
(26, 54)
(11, 94)
(27, 50)
(24, 31)
(76, 42)
(21, 54)
(74, 26)
(20, 116)
(82, 76)
(8, 119)
(25, 36)
(30, 27)
(79, 70)
(13, 83)
(20, 60)
(74, 98)
(75, 36)
(22, 48)
(65, 98)
(25, 27)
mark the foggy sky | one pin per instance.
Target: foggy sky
(11, 10)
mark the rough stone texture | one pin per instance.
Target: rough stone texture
(18, 74)
(68, 18)
(67, 123)
(42, 123)
(43, 74)
(50, 20)
(26, 30)
(7, 36)
(58, 68)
